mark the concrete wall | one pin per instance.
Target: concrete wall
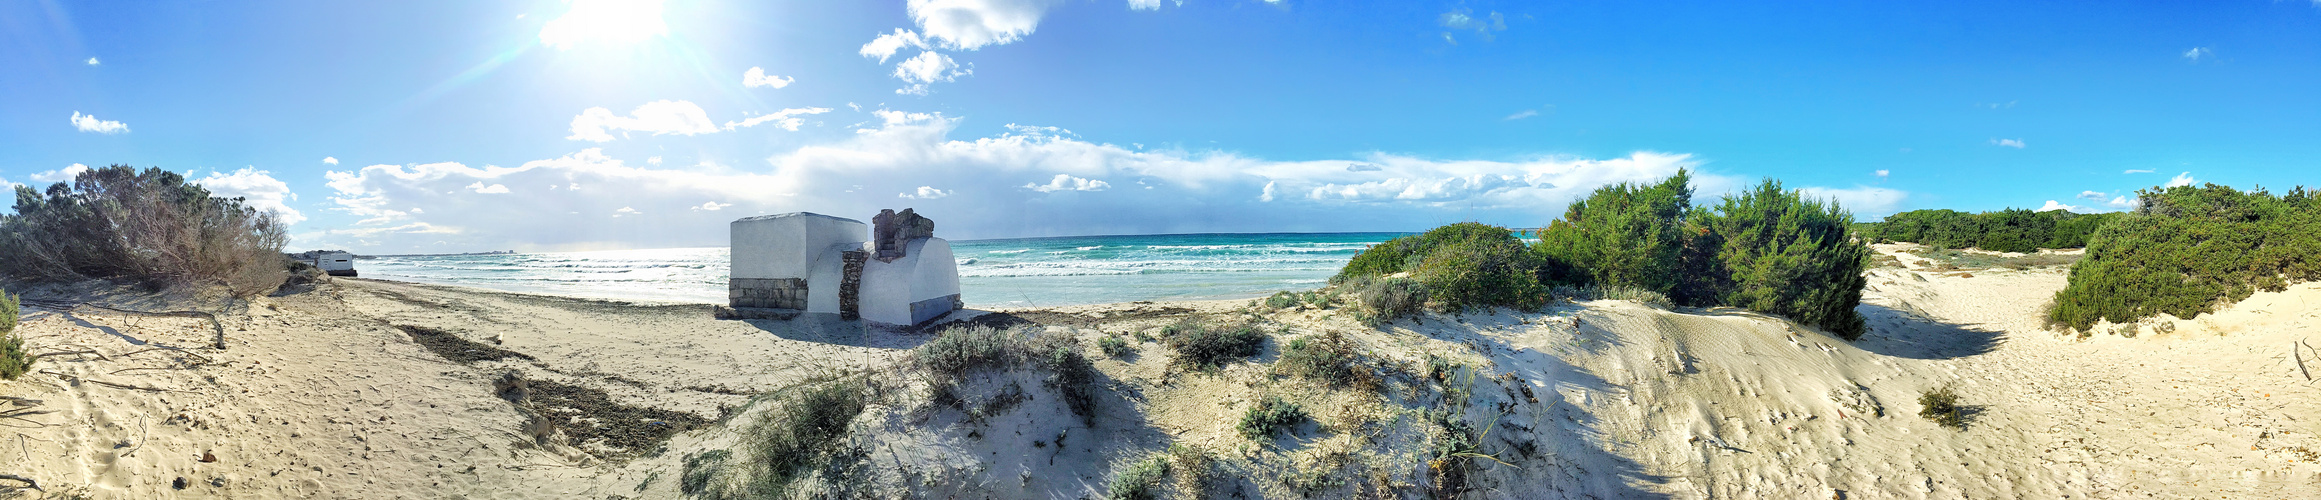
(926, 275)
(788, 245)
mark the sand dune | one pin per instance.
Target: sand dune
(370, 389)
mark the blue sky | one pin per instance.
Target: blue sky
(552, 125)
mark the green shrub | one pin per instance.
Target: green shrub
(15, 359)
(802, 433)
(2187, 250)
(1781, 253)
(1385, 299)
(700, 469)
(1206, 346)
(1941, 406)
(1114, 346)
(1270, 416)
(2009, 230)
(1456, 267)
(150, 226)
(1137, 480)
(1623, 234)
(955, 353)
(1281, 300)
(1330, 357)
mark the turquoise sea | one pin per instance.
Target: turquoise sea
(992, 273)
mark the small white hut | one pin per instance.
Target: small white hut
(335, 263)
(794, 263)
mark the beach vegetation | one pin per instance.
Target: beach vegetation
(1625, 234)
(1777, 251)
(149, 226)
(796, 438)
(2189, 250)
(1271, 415)
(1384, 299)
(1454, 268)
(1138, 479)
(1209, 346)
(2010, 230)
(15, 358)
(955, 354)
(1941, 406)
(1629, 293)
(1330, 358)
(1114, 346)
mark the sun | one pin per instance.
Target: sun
(615, 22)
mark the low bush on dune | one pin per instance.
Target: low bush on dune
(1331, 358)
(2189, 250)
(1208, 346)
(15, 359)
(1270, 416)
(2010, 230)
(953, 355)
(1941, 406)
(150, 226)
(1453, 268)
(1775, 251)
(1138, 479)
(1767, 249)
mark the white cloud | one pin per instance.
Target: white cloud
(786, 119)
(1522, 114)
(2121, 203)
(65, 174)
(712, 206)
(2012, 143)
(610, 21)
(257, 189)
(90, 123)
(1463, 18)
(2138, 171)
(757, 77)
(984, 184)
(2053, 206)
(625, 211)
(2097, 196)
(93, 61)
(1882, 174)
(1144, 4)
(925, 193)
(333, 160)
(2198, 53)
(927, 67)
(1861, 200)
(657, 117)
(2183, 179)
(1065, 182)
(885, 45)
(972, 24)
(480, 188)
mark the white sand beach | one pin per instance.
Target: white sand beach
(336, 393)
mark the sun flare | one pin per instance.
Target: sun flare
(617, 22)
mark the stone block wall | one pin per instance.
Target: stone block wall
(850, 284)
(767, 293)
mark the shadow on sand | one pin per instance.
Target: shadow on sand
(1898, 333)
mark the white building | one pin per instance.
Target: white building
(335, 263)
(817, 264)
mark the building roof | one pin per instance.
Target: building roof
(794, 214)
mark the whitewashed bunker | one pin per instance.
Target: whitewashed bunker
(793, 263)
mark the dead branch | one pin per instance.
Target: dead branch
(28, 482)
(92, 352)
(76, 380)
(215, 326)
(2300, 360)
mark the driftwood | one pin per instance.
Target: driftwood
(2294, 350)
(28, 482)
(108, 384)
(217, 327)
